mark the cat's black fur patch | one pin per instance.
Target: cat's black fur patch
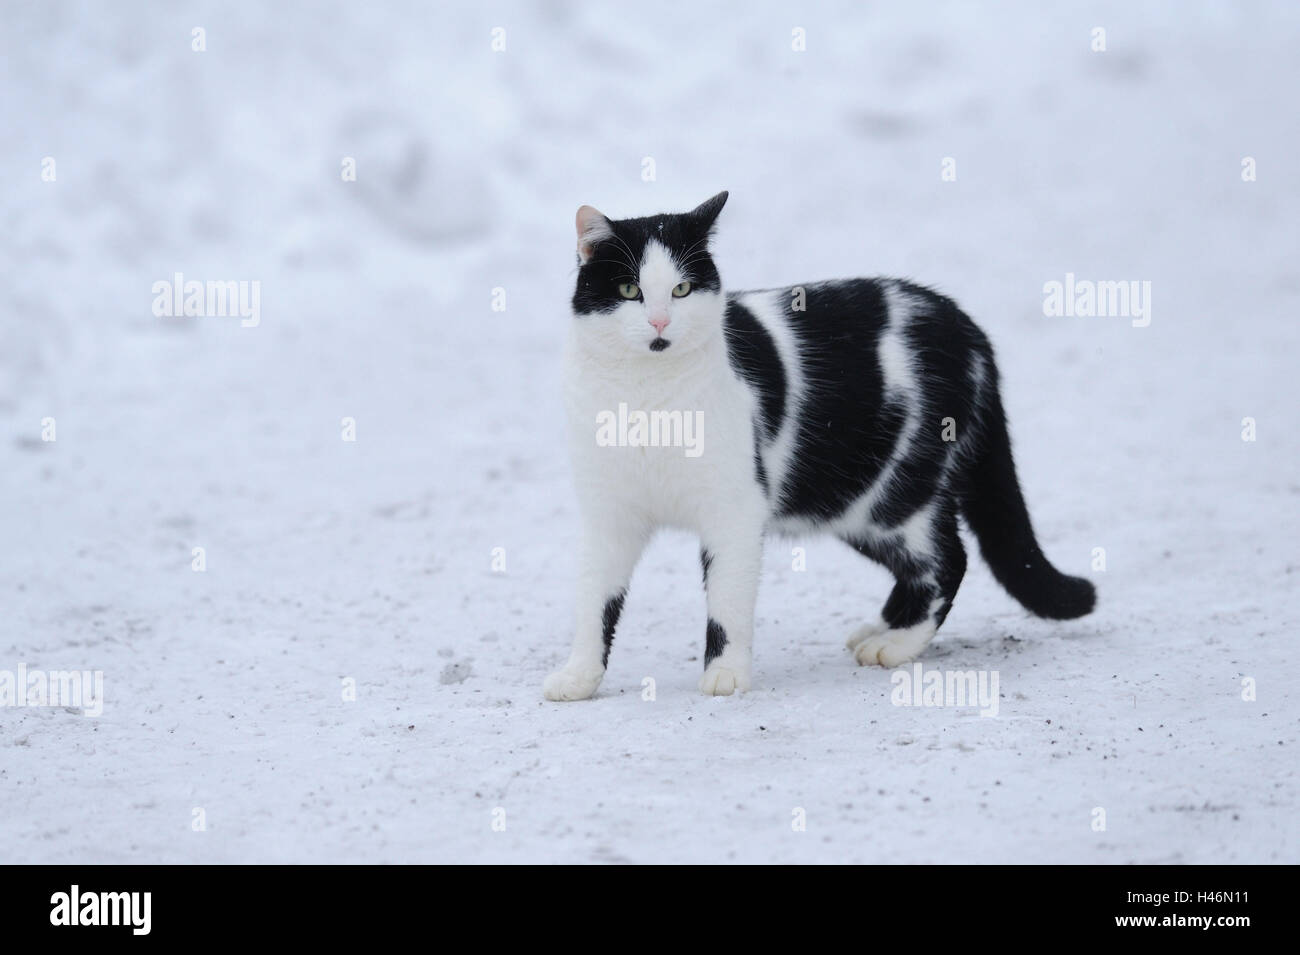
(942, 343)
(753, 355)
(715, 641)
(847, 430)
(617, 258)
(850, 426)
(706, 561)
(760, 471)
(918, 583)
(609, 620)
(995, 510)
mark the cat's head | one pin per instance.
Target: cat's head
(647, 286)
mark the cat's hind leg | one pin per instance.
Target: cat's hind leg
(928, 561)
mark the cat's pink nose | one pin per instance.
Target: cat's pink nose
(659, 324)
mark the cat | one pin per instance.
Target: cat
(863, 408)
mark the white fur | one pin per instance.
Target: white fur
(893, 648)
(626, 493)
(916, 532)
(877, 643)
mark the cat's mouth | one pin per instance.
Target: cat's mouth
(659, 344)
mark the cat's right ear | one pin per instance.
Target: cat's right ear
(593, 228)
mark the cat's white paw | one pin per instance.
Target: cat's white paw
(893, 647)
(572, 683)
(723, 681)
(866, 632)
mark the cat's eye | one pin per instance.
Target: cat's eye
(681, 289)
(628, 290)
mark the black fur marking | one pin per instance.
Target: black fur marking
(659, 344)
(706, 561)
(754, 357)
(617, 259)
(609, 620)
(760, 472)
(941, 341)
(910, 601)
(847, 430)
(995, 509)
(850, 428)
(715, 641)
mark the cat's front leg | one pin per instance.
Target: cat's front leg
(610, 550)
(732, 559)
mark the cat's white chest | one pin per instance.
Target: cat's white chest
(672, 446)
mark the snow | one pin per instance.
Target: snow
(372, 560)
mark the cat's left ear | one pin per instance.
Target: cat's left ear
(593, 228)
(706, 213)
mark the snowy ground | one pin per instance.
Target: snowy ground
(329, 560)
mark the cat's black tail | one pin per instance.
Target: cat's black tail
(995, 511)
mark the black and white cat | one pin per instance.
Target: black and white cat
(863, 408)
